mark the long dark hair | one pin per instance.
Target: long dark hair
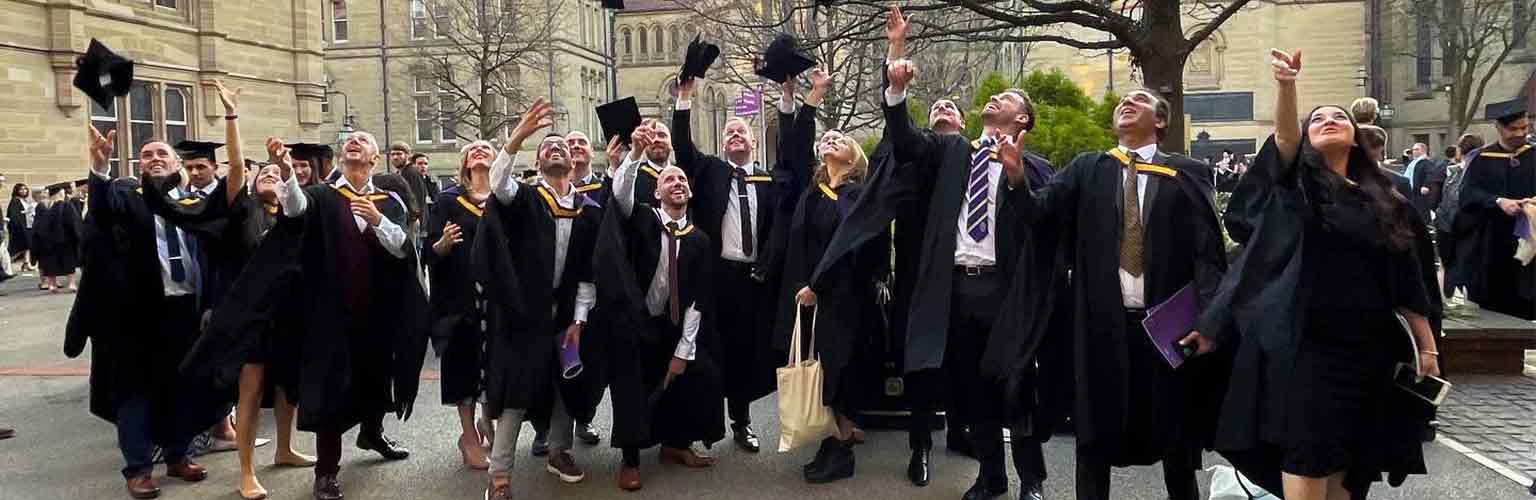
(16, 190)
(1383, 201)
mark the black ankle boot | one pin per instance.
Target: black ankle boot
(821, 455)
(837, 463)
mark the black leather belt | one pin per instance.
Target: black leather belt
(976, 270)
(1135, 313)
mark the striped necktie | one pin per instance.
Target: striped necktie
(977, 193)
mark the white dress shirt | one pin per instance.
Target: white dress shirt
(730, 225)
(295, 203)
(505, 188)
(1133, 289)
(658, 293)
(969, 252)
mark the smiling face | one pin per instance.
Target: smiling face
(672, 188)
(303, 171)
(1137, 114)
(267, 180)
(661, 144)
(157, 160)
(478, 155)
(359, 150)
(581, 148)
(833, 148)
(200, 172)
(738, 137)
(1008, 110)
(554, 156)
(1329, 129)
(945, 118)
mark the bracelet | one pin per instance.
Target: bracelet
(1432, 353)
(231, 117)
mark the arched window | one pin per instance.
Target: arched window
(661, 45)
(677, 43)
(643, 42)
(629, 45)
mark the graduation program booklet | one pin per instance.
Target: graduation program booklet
(1169, 322)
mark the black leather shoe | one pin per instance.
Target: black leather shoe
(837, 464)
(540, 446)
(917, 469)
(328, 487)
(386, 447)
(1035, 491)
(982, 491)
(959, 442)
(746, 438)
(588, 434)
(821, 456)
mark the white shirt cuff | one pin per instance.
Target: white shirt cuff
(787, 104)
(586, 295)
(391, 236)
(893, 99)
(504, 185)
(684, 104)
(292, 198)
(687, 347)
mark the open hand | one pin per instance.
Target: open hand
(452, 236)
(278, 154)
(101, 147)
(897, 25)
(1010, 155)
(1286, 66)
(364, 208)
(231, 99)
(539, 116)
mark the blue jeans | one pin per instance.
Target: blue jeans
(136, 443)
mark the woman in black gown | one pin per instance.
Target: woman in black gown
(837, 309)
(455, 329)
(1329, 265)
(18, 224)
(56, 239)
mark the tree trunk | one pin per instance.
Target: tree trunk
(1164, 73)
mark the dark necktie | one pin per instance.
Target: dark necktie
(1130, 224)
(977, 193)
(746, 211)
(674, 309)
(173, 250)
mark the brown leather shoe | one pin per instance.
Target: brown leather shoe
(143, 486)
(629, 478)
(187, 471)
(685, 457)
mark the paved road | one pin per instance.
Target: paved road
(62, 452)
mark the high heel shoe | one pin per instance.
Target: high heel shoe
(487, 430)
(464, 453)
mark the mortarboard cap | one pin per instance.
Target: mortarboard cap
(783, 59)
(619, 118)
(54, 189)
(1507, 111)
(312, 153)
(103, 75)
(701, 55)
(192, 150)
(613, 4)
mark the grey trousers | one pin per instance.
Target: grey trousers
(510, 424)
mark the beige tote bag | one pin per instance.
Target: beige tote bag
(803, 419)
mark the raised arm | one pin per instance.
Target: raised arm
(896, 29)
(504, 185)
(689, 158)
(290, 196)
(1287, 123)
(104, 202)
(234, 181)
(624, 180)
(910, 143)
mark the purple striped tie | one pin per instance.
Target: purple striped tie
(978, 187)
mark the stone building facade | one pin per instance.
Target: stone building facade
(270, 50)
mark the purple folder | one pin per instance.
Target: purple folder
(1171, 321)
(570, 358)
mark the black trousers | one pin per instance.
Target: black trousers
(1178, 475)
(925, 395)
(976, 401)
(328, 445)
(743, 311)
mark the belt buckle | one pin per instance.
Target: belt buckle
(972, 271)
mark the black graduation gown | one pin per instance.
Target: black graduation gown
(644, 412)
(455, 329)
(1129, 406)
(120, 292)
(525, 312)
(1485, 236)
(350, 365)
(56, 238)
(748, 359)
(19, 239)
(1257, 311)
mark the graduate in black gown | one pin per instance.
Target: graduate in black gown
(1136, 241)
(56, 238)
(838, 310)
(653, 268)
(738, 202)
(138, 308)
(456, 331)
(1499, 180)
(18, 225)
(1331, 259)
(310, 162)
(363, 336)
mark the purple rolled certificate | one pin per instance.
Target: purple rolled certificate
(1171, 321)
(570, 359)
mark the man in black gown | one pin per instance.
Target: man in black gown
(737, 201)
(138, 307)
(1136, 241)
(972, 241)
(1499, 181)
(365, 333)
(654, 282)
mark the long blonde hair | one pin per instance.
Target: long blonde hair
(856, 172)
(463, 176)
